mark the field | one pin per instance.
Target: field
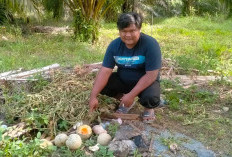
(194, 46)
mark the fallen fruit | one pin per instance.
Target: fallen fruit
(74, 141)
(98, 129)
(104, 139)
(60, 139)
(45, 143)
(84, 131)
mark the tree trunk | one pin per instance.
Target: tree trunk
(187, 4)
(230, 10)
(125, 6)
(128, 6)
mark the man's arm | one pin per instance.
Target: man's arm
(100, 82)
(142, 84)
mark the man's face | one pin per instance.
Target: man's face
(130, 35)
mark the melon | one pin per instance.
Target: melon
(98, 129)
(84, 131)
(104, 139)
(45, 143)
(60, 139)
(73, 142)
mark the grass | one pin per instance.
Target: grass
(193, 42)
(196, 43)
(198, 112)
(40, 50)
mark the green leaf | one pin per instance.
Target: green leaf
(38, 135)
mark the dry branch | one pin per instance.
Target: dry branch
(10, 73)
(16, 130)
(134, 127)
(126, 116)
(109, 116)
(152, 142)
(29, 73)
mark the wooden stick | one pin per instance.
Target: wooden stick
(110, 116)
(16, 130)
(126, 116)
(10, 72)
(152, 141)
(134, 127)
(197, 78)
(21, 79)
(31, 72)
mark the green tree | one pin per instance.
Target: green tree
(188, 5)
(3, 13)
(21, 7)
(87, 15)
(227, 5)
(54, 6)
(114, 11)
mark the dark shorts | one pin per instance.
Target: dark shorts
(149, 97)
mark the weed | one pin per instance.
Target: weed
(113, 128)
(37, 120)
(63, 125)
(90, 142)
(2, 130)
(64, 151)
(17, 147)
(170, 83)
(169, 140)
(220, 82)
(189, 99)
(39, 84)
(103, 152)
(137, 153)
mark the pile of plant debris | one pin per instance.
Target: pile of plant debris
(59, 105)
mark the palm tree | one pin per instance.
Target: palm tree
(187, 5)
(87, 14)
(227, 6)
(54, 6)
(21, 7)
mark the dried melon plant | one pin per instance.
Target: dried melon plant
(65, 98)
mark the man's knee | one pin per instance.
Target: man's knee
(150, 101)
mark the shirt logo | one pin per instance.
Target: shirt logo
(129, 61)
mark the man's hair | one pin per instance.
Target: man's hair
(126, 19)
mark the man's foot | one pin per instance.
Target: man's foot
(124, 110)
(148, 116)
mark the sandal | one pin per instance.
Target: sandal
(124, 110)
(148, 116)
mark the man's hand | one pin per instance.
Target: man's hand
(99, 84)
(127, 100)
(93, 104)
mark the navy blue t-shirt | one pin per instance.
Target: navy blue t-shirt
(133, 63)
